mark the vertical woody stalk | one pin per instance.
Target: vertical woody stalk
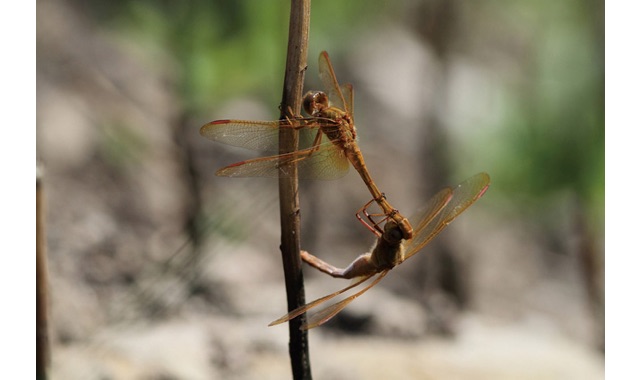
(288, 186)
(42, 328)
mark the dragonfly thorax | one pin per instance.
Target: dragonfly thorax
(389, 250)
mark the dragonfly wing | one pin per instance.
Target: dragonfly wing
(330, 83)
(307, 137)
(255, 135)
(302, 309)
(347, 92)
(463, 196)
(258, 135)
(258, 167)
(326, 162)
(330, 311)
(430, 210)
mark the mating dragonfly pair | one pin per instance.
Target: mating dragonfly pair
(327, 146)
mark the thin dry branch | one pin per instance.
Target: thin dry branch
(42, 326)
(288, 186)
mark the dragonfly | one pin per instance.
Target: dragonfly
(327, 144)
(390, 249)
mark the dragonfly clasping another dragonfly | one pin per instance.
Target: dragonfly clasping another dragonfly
(327, 146)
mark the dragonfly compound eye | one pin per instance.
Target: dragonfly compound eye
(315, 101)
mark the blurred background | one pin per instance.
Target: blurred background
(161, 270)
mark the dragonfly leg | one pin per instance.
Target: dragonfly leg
(316, 143)
(290, 113)
(314, 148)
(361, 266)
(296, 122)
(298, 158)
(373, 221)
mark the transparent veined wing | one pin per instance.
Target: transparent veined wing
(461, 197)
(326, 162)
(330, 83)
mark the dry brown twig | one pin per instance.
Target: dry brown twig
(288, 185)
(42, 295)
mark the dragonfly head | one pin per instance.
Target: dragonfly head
(315, 102)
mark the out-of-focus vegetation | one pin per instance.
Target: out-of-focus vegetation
(547, 139)
(230, 48)
(552, 129)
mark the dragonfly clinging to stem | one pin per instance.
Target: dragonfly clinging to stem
(391, 249)
(327, 146)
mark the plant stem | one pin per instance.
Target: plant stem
(288, 186)
(42, 328)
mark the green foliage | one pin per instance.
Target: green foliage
(229, 48)
(551, 137)
(553, 132)
(121, 146)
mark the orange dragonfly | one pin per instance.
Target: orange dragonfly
(327, 145)
(390, 249)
